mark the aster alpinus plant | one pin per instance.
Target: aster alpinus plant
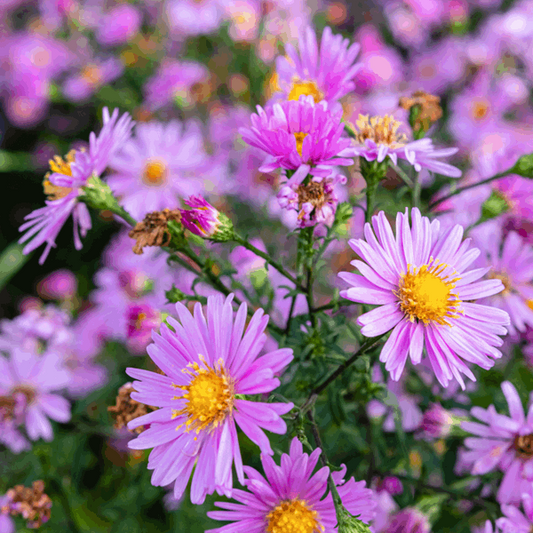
(253, 338)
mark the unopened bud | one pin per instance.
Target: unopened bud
(206, 221)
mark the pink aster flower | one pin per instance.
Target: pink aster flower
(299, 135)
(511, 261)
(409, 520)
(503, 442)
(324, 73)
(157, 166)
(59, 285)
(377, 138)
(515, 521)
(436, 423)
(425, 295)
(27, 384)
(208, 364)
(64, 186)
(291, 498)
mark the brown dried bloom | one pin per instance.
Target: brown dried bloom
(429, 109)
(32, 504)
(127, 409)
(153, 230)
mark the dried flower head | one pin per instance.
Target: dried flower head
(153, 230)
(425, 109)
(127, 409)
(30, 503)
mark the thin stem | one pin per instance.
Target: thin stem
(278, 266)
(408, 181)
(468, 187)
(416, 191)
(332, 305)
(371, 188)
(124, 215)
(365, 347)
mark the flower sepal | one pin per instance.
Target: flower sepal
(98, 195)
(524, 166)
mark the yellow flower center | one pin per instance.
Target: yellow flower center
(155, 172)
(480, 109)
(92, 75)
(307, 88)
(59, 166)
(299, 136)
(426, 294)
(210, 396)
(293, 516)
(381, 130)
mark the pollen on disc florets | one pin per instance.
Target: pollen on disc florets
(305, 88)
(155, 172)
(381, 130)
(60, 166)
(210, 396)
(293, 516)
(426, 294)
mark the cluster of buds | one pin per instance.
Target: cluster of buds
(30, 503)
(127, 409)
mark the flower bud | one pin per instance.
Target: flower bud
(206, 221)
(409, 520)
(99, 195)
(436, 423)
(524, 166)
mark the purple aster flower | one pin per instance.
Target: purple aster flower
(208, 364)
(436, 423)
(142, 319)
(157, 166)
(515, 521)
(119, 25)
(291, 498)
(425, 295)
(503, 442)
(174, 79)
(409, 520)
(377, 138)
(27, 385)
(203, 219)
(511, 261)
(64, 186)
(299, 135)
(59, 285)
(95, 74)
(190, 17)
(315, 202)
(323, 73)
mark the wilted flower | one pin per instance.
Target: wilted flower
(153, 230)
(64, 186)
(299, 135)
(291, 498)
(503, 442)
(421, 283)
(208, 366)
(127, 409)
(324, 73)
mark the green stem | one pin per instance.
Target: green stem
(416, 191)
(407, 180)
(124, 215)
(269, 260)
(332, 305)
(371, 188)
(468, 187)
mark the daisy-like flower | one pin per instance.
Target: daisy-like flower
(511, 260)
(503, 442)
(316, 202)
(377, 138)
(27, 382)
(516, 521)
(291, 498)
(324, 73)
(301, 136)
(425, 293)
(209, 366)
(157, 166)
(64, 186)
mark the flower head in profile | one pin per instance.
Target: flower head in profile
(301, 136)
(516, 521)
(291, 498)
(210, 363)
(379, 137)
(503, 442)
(63, 186)
(206, 221)
(324, 73)
(425, 292)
